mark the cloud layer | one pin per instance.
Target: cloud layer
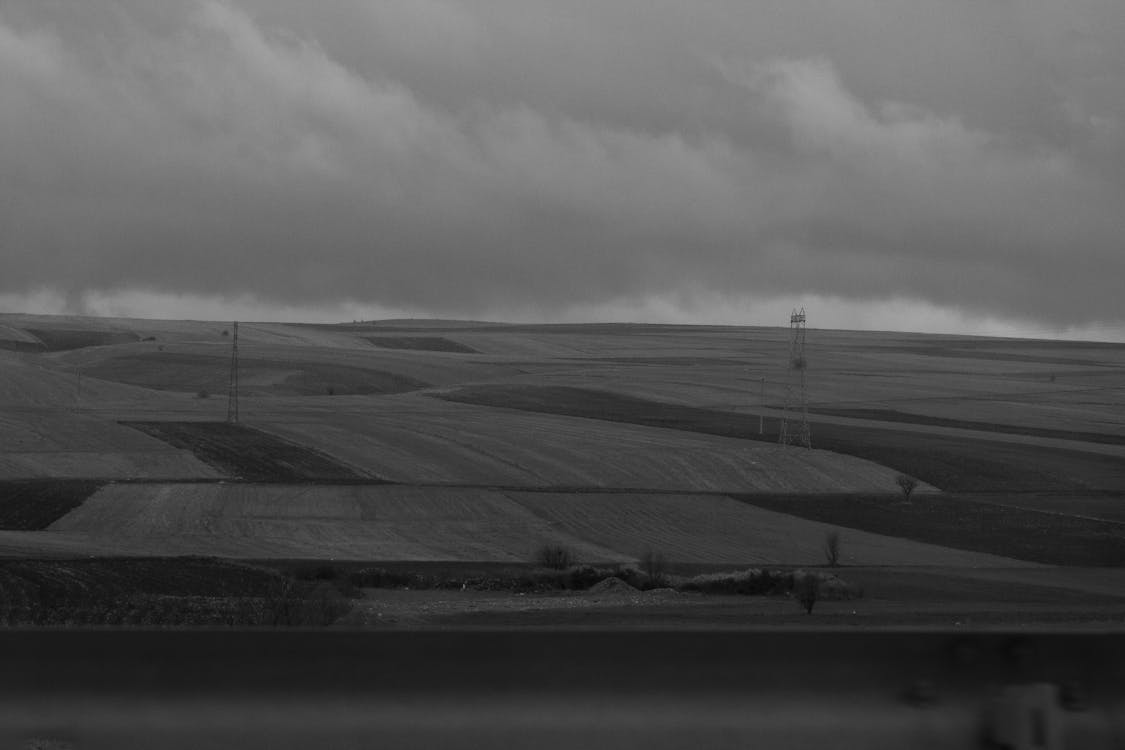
(543, 159)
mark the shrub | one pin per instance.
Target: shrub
(832, 548)
(554, 556)
(907, 484)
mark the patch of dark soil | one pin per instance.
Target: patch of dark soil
(248, 454)
(949, 463)
(58, 339)
(1109, 506)
(34, 504)
(15, 345)
(420, 343)
(891, 415)
(963, 522)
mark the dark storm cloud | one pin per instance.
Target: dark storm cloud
(465, 157)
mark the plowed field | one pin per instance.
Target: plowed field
(245, 453)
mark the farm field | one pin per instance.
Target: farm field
(981, 522)
(360, 522)
(422, 439)
(462, 443)
(245, 453)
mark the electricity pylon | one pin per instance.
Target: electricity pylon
(795, 420)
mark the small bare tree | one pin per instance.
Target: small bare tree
(832, 548)
(907, 484)
(655, 566)
(283, 602)
(808, 591)
(554, 556)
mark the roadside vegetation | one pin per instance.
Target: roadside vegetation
(208, 592)
(163, 592)
(748, 582)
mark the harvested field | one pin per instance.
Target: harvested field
(60, 444)
(965, 522)
(191, 372)
(458, 524)
(107, 464)
(246, 453)
(32, 505)
(358, 522)
(420, 343)
(714, 529)
(419, 439)
(29, 382)
(956, 464)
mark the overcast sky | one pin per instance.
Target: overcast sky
(953, 166)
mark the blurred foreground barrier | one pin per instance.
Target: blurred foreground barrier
(554, 689)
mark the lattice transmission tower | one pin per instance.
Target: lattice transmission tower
(232, 392)
(795, 421)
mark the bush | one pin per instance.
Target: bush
(907, 484)
(554, 556)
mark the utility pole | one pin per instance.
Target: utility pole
(232, 391)
(762, 410)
